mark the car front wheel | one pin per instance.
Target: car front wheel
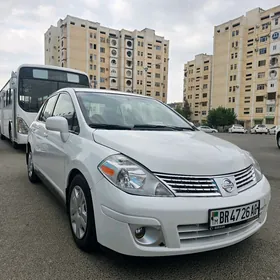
(81, 214)
(32, 176)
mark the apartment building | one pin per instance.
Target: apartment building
(246, 67)
(197, 86)
(131, 61)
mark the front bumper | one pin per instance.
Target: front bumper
(180, 221)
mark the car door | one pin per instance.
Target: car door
(57, 150)
(39, 134)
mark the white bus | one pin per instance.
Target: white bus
(22, 96)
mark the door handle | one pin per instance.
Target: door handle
(45, 134)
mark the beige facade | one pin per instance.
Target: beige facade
(131, 61)
(197, 86)
(246, 67)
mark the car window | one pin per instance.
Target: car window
(47, 111)
(65, 108)
(126, 110)
(261, 125)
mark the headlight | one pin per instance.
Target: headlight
(256, 165)
(132, 178)
(22, 127)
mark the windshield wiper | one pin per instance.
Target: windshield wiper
(110, 126)
(151, 126)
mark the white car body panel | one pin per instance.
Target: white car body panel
(174, 152)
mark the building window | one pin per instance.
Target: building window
(263, 39)
(232, 56)
(204, 104)
(90, 66)
(233, 88)
(102, 80)
(233, 33)
(261, 63)
(230, 89)
(205, 86)
(262, 51)
(158, 48)
(102, 50)
(233, 99)
(231, 67)
(259, 98)
(269, 121)
(102, 59)
(102, 40)
(229, 99)
(234, 77)
(235, 55)
(206, 68)
(204, 95)
(276, 21)
(157, 75)
(261, 75)
(259, 110)
(205, 77)
(157, 93)
(102, 70)
(265, 26)
(260, 86)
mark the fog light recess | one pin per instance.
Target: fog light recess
(147, 235)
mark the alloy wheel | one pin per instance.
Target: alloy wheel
(78, 212)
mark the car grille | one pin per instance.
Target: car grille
(200, 232)
(190, 185)
(184, 185)
(245, 178)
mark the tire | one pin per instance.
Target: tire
(85, 238)
(14, 144)
(278, 140)
(32, 176)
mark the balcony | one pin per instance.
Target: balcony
(270, 114)
(270, 102)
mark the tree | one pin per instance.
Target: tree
(185, 110)
(221, 117)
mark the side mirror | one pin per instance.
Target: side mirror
(59, 124)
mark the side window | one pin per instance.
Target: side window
(47, 111)
(65, 108)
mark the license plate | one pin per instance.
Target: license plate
(226, 217)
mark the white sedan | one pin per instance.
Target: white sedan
(259, 129)
(136, 178)
(273, 129)
(207, 129)
(237, 128)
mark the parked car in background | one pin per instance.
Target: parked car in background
(273, 129)
(237, 128)
(108, 155)
(259, 129)
(207, 129)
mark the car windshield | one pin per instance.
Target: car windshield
(261, 125)
(117, 111)
(237, 125)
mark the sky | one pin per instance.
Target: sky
(187, 24)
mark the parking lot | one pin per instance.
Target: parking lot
(36, 242)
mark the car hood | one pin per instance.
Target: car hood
(176, 152)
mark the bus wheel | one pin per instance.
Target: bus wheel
(14, 144)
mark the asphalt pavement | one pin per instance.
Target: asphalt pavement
(36, 242)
